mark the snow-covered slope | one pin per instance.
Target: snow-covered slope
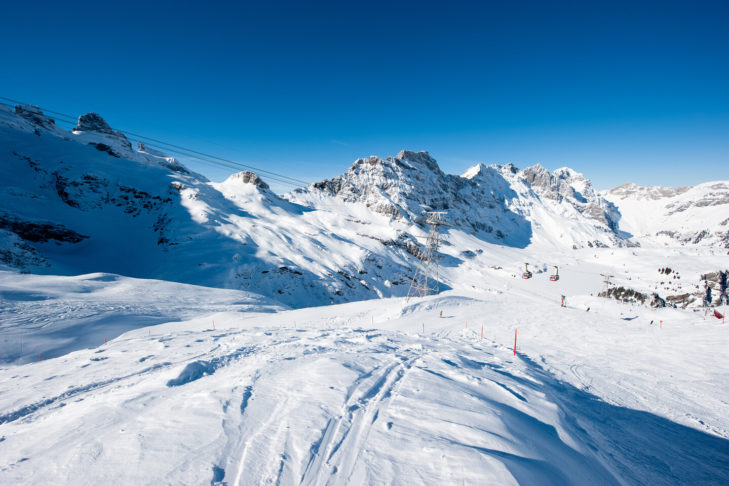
(85, 201)
(382, 392)
(46, 316)
(665, 215)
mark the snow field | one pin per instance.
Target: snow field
(358, 394)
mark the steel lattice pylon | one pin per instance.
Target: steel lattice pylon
(421, 283)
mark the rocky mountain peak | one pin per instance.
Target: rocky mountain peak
(248, 177)
(560, 184)
(93, 122)
(421, 158)
(474, 171)
(94, 130)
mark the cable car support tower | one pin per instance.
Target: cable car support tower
(426, 279)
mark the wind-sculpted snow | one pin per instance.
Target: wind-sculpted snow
(50, 316)
(359, 394)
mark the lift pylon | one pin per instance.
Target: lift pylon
(426, 279)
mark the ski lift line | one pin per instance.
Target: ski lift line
(211, 163)
(199, 159)
(216, 163)
(71, 119)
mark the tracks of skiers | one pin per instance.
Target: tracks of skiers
(251, 361)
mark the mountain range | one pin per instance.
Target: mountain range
(87, 200)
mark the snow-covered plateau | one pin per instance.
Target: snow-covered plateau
(160, 328)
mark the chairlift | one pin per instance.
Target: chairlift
(527, 274)
(555, 277)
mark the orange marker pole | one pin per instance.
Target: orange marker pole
(514, 341)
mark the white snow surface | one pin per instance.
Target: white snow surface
(373, 392)
(668, 216)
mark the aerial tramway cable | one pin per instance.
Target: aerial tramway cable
(179, 150)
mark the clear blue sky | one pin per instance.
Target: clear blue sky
(621, 91)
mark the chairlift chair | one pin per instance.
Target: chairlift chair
(555, 277)
(527, 274)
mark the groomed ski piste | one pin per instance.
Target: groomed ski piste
(163, 383)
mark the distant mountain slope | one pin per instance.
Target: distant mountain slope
(686, 215)
(499, 204)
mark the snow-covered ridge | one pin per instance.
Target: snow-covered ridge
(499, 204)
(684, 215)
(86, 201)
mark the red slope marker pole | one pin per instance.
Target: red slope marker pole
(481, 332)
(514, 341)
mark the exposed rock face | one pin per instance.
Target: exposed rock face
(92, 122)
(715, 288)
(39, 231)
(100, 134)
(18, 254)
(34, 115)
(570, 186)
(248, 177)
(498, 203)
(404, 187)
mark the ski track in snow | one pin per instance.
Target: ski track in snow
(257, 401)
